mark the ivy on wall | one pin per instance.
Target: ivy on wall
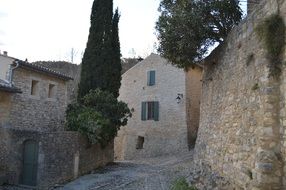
(271, 31)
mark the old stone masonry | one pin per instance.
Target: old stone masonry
(232, 109)
(242, 125)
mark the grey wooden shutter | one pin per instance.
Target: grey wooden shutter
(152, 78)
(143, 111)
(156, 111)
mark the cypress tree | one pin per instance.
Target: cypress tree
(115, 77)
(97, 56)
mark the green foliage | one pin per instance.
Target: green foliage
(100, 64)
(186, 29)
(272, 33)
(115, 69)
(98, 116)
(182, 184)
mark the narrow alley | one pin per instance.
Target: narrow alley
(148, 174)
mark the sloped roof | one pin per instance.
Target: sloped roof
(7, 87)
(41, 69)
(128, 63)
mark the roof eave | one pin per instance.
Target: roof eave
(10, 90)
(41, 69)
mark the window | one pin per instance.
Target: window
(150, 78)
(140, 142)
(35, 88)
(52, 91)
(150, 111)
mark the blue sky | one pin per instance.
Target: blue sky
(49, 29)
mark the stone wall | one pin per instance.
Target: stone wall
(193, 98)
(169, 134)
(5, 107)
(58, 164)
(37, 112)
(282, 114)
(69, 69)
(251, 4)
(240, 133)
(58, 152)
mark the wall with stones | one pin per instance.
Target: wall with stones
(169, 134)
(193, 98)
(282, 105)
(240, 133)
(5, 107)
(69, 69)
(58, 152)
(57, 164)
(29, 112)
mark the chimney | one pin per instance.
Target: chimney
(251, 4)
(5, 53)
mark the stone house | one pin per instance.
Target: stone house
(165, 105)
(243, 119)
(35, 148)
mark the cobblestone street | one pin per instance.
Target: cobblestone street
(149, 174)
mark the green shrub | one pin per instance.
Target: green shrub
(182, 184)
(272, 33)
(99, 116)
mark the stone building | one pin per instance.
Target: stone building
(69, 69)
(243, 119)
(165, 104)
(35, 148)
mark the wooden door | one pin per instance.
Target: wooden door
(30, 163)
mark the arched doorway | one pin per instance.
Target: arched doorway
(30, 163)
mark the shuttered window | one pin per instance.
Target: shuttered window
(150, 111)
(151, 78)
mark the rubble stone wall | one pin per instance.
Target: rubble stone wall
(58, 152)
(242, 122)
(37, 112)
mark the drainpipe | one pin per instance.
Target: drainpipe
(11, 69)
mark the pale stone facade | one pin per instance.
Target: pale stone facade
(169, 134)
(242, 123)
(193, 101)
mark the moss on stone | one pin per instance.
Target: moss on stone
(271, 31)
(182, 184)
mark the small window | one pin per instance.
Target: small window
(52, 91)
(35, 88)
(150, 111)
(140, 142)
(150, 78)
